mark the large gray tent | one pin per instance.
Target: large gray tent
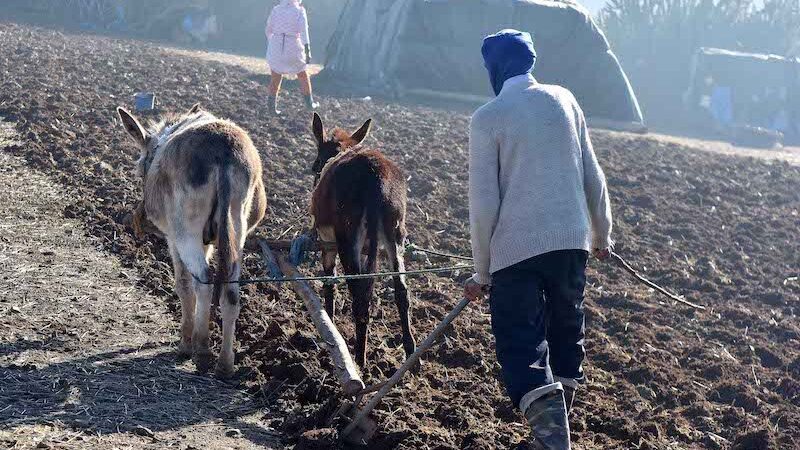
(433, 47)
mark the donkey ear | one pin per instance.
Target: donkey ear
(196, 108)
(132, 126)
(362, 132)
(318, 129)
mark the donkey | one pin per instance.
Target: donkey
(359, 202)
(203, 187)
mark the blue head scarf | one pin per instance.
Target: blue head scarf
(506, 54)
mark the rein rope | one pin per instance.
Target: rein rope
(298, 250)
(341, 278)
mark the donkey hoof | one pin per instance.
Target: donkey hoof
(202, 360)
(184, 350)
(224, 371)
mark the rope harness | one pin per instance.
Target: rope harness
(301, 245)
(299, 248)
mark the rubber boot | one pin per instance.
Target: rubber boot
(310, 103)
(547, 417)
(272, 105)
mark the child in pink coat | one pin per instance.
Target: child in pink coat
(288, 50)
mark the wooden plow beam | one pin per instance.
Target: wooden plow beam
(332, 340)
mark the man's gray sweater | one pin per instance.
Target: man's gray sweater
(535, 185)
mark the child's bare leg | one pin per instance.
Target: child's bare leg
(305, 88)
(275, 84)
(305, 82)
(274, 88)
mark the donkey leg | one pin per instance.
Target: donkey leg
(230, 305)
(361, 302)
(202, 318)
(183, 287)
(401, 297)
(359, 291)
(329, 289)
(230, 301)
(194, 256)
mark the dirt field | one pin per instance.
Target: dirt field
(720, 229)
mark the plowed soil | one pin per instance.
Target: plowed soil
(719, 229)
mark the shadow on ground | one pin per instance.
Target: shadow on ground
(133, 390)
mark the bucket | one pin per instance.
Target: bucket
(144, 101)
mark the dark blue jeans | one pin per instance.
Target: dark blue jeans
(538, 320)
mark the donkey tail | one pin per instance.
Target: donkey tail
(372, 218)
(226, 252)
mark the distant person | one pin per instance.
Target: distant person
(715, 105)
(199, 25)
(538, 203)
(722, 107)
(289, 50)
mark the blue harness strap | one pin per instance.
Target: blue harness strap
(299, 248)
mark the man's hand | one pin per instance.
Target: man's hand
(474, 291)
(602, 254)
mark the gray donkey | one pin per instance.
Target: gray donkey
(202, 186)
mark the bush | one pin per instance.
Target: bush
(655, 41)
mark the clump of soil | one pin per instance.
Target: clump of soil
(754, 440)
(321, 439)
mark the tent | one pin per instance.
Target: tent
(432, 47)
(760, 90)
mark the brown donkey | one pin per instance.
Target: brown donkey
(202, 187)
(359, 203)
